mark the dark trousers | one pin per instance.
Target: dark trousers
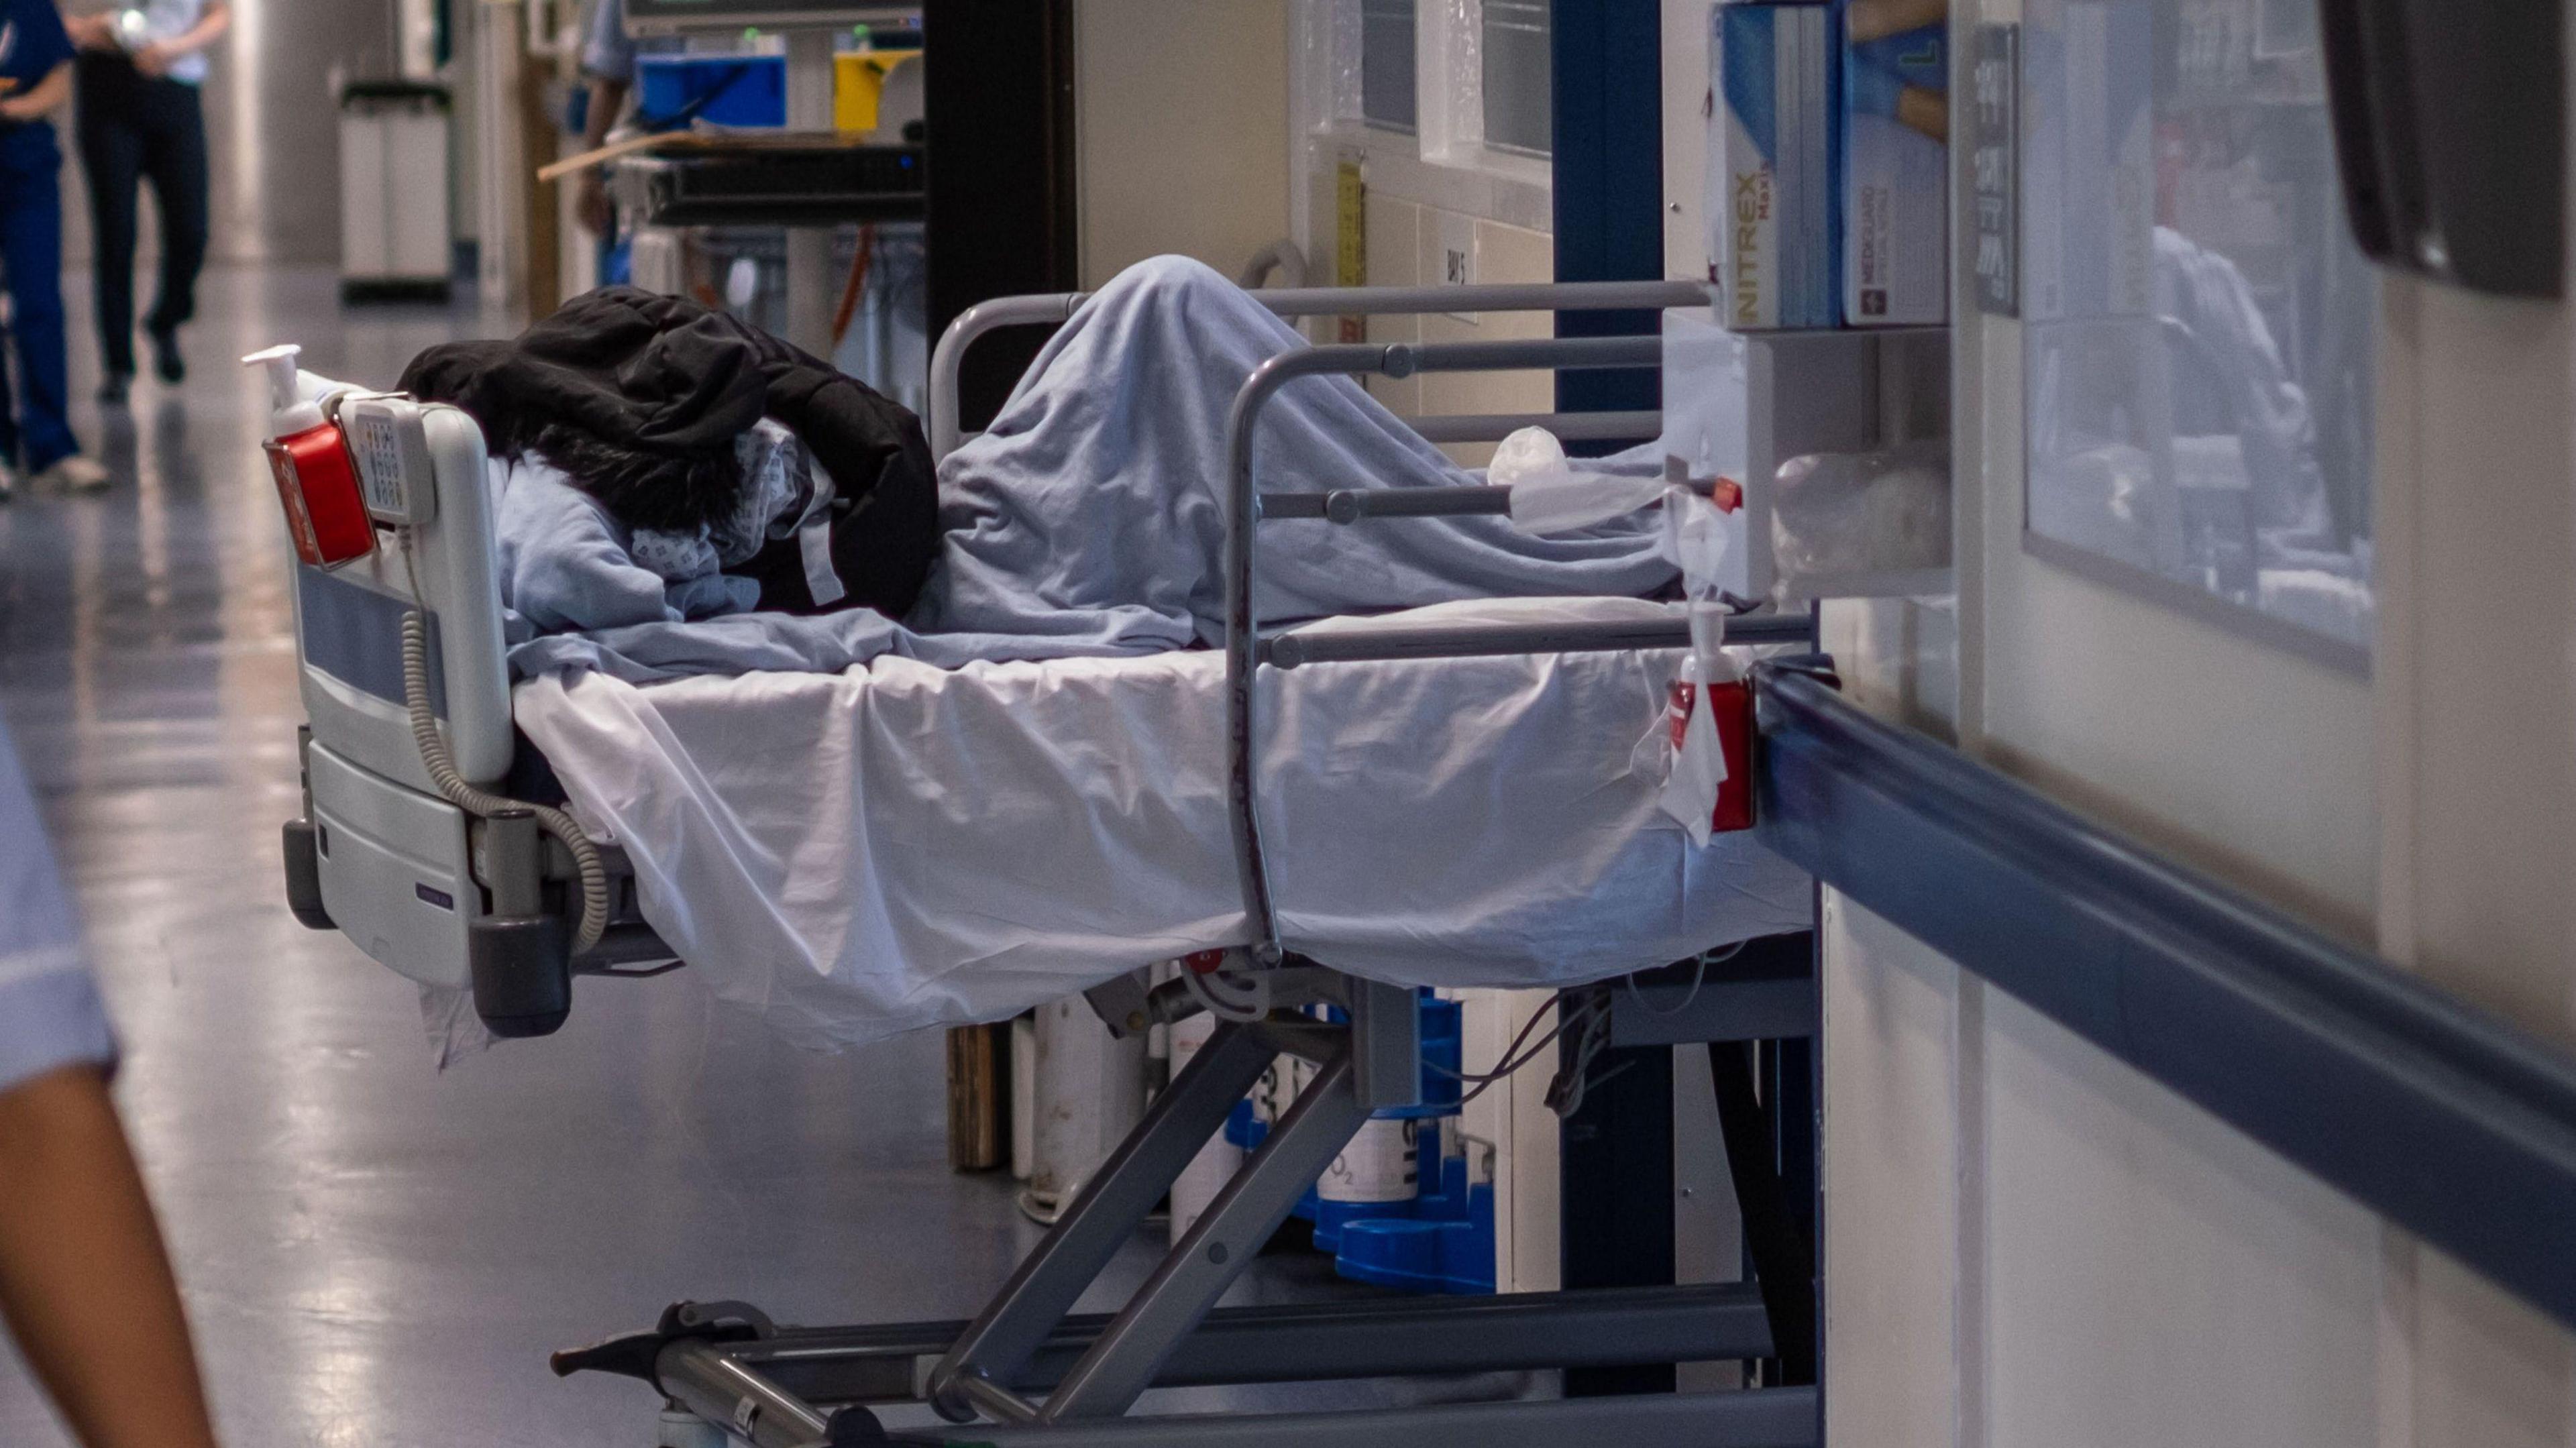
(35, 432)
(133, 128)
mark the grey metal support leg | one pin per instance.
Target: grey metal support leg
(1132, 1349)
(1103, 1217)
(1765, 1418)
(1385, 1045)
(1782, 1249)
(721, 1391)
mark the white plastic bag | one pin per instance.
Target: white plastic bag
(1841, 515)
(1549, 496)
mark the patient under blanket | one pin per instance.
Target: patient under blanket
(855, 824)
(1088, 521)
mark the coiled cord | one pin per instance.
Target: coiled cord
(441, 767)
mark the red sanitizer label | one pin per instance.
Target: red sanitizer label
(1731, 708)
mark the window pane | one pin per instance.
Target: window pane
(2200, 328)
(1386, 63)
(1520, 105)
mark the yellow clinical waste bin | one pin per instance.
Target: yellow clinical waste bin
(858, 83)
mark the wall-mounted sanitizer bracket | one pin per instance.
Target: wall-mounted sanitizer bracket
(1744, 404)
(2448, 122)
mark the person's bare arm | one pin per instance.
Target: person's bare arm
(212, 22)
(1868, 20)
(43, 96)
(590, 203)
(85, 1284)
(90, 32)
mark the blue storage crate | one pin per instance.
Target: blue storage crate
(723, 90)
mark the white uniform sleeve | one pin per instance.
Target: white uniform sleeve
(50, 1014)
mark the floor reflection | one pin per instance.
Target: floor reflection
(376, 1253)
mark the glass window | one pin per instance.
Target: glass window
(1386, 64)
(2200, 330)
(1520, 101)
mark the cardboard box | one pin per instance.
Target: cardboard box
(1770, 199)
(1895, 173)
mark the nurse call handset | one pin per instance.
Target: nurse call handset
(392, 450)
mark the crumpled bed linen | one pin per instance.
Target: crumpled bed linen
(1090, 519)
(900, 845)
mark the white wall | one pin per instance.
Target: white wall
(1182, 113)
(2476, 709)
(2028, 1244)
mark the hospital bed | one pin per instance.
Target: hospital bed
(483, 903)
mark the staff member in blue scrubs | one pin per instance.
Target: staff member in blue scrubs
(139, 120)
(85, 1285)
(35, 77)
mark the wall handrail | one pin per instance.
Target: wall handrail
(2447, 1121)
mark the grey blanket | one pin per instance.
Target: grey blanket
(1089, 520)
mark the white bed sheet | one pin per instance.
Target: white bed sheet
(898, 846)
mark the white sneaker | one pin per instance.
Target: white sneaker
(75, 474)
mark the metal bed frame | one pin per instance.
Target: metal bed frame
(1041, 1376)
(1246, 651)
(1024, 1363)
(948, 358)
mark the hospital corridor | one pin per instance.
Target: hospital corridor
(1288, 723)
(358, 1227)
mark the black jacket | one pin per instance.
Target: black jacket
(664, 374)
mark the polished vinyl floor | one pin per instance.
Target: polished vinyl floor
(377, 1253)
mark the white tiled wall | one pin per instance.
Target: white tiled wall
(1411, 256)
(1403, 250)
(1421, 189)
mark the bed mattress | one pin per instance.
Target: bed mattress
(897, 846)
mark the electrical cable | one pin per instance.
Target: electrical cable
(452, 786)
(1566, 1092)
(1514, 1058)
(1487, 1078)
(856, 285)
(1699, 977)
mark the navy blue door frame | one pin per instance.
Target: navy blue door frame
(1609, 178)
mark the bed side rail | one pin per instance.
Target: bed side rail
(1247, 650)
(348, 622)
(2446, 1121)
(1052, 309)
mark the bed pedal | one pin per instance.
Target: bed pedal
(304, 876)
(522, 970)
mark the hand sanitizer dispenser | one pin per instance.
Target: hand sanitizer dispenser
(317, 481)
